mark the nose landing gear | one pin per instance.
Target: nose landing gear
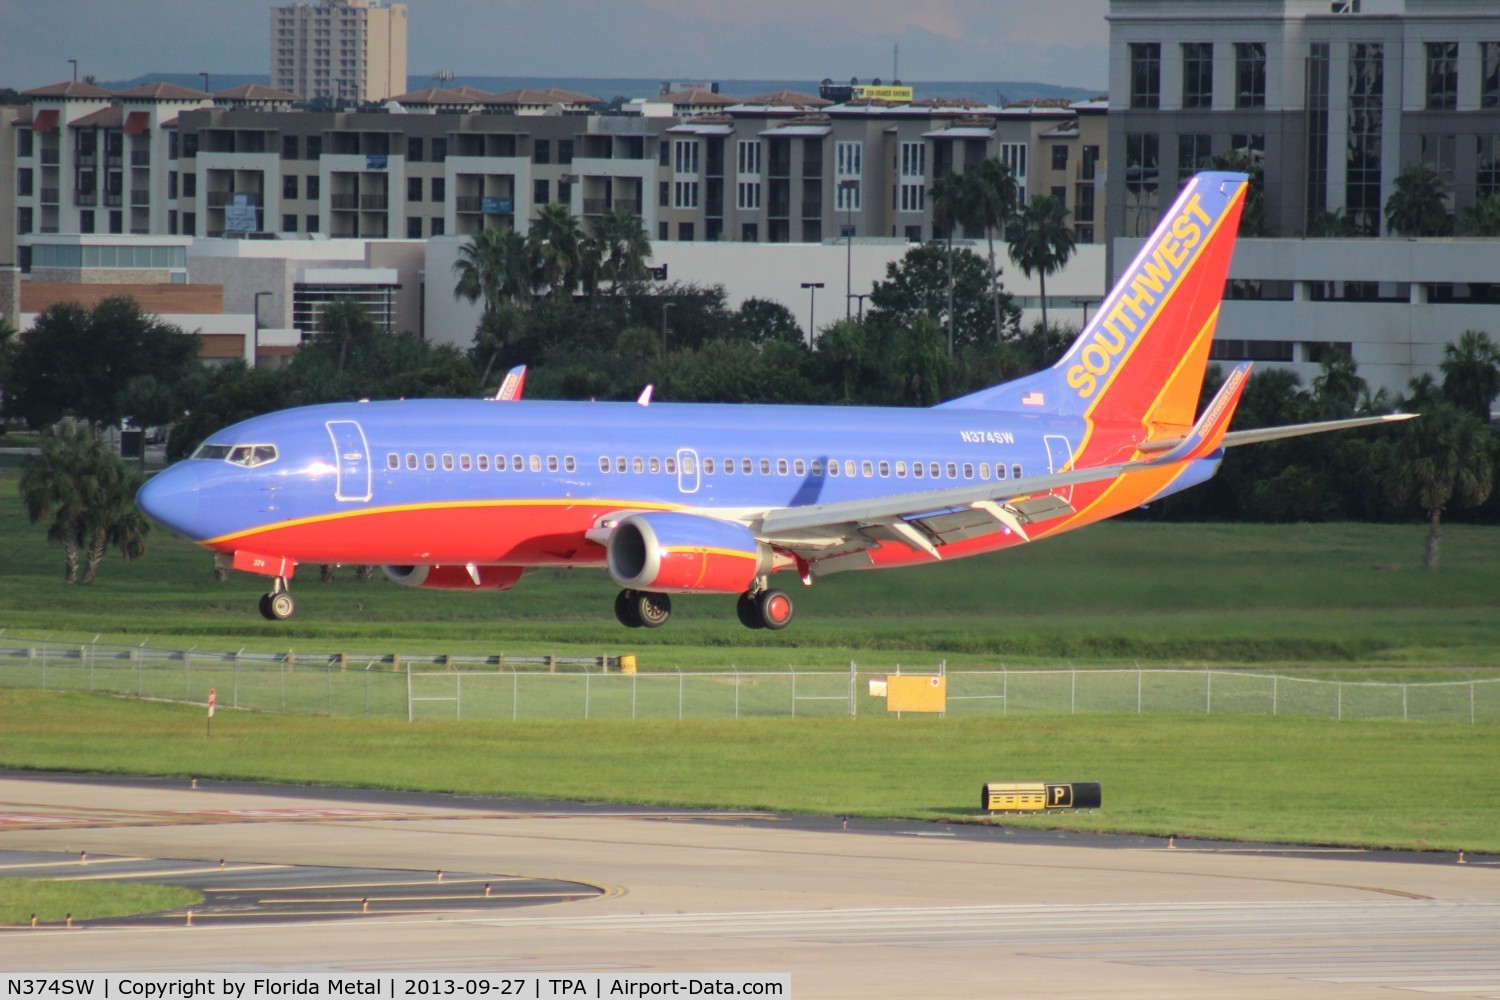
(770, 609)
(277, 606)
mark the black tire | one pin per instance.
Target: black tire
(653, 609)
(281, 605)
(775, 609)
(265, 608)
(625, 611)
(749, 614)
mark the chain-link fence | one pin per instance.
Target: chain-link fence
(517, 688)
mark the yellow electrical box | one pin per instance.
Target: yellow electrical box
(627, 663)
(1039, 796)
(916, 693)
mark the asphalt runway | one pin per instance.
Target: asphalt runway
(877, 909)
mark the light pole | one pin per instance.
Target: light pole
(664, 307)
(812, 306)
(205, 82)
(1084, 304)
(75, 69)
(861, 296)
(848, 186)
(255, 344)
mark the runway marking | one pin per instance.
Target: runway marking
(150, 874)
(110, 860)
(454, 898)
(431, 880)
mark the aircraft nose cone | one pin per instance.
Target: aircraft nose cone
(171, 497)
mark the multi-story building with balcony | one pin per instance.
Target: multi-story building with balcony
(350, 51)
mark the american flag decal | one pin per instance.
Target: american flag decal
(1033, 398)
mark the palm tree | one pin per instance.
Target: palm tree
(556, 240)
(950, 197)
(496, 266)
(992, 205)
(1445, 458)
(1481, 218)
(1416, 207)
(349, 322)
(1471, 373)
(1041, 241)
(625, 246)
(1338, 386)
(87, 493)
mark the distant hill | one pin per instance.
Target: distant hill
(607, 88)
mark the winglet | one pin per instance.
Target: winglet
(1207, 434)
(514, 384)
(644, 399)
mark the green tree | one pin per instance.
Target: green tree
(1337, 386)
(951, 199)
(556, 242)
(911, 290)
(1041, 242)
(1445, 458)
(992, 206)
(1254, 219)
(88, 495)
(494, 266)
(348, 324)
(1481, 218)
(1471, 373)
(762, 320)
(82, 362)
(625, 247)
(1330, 224)
(1417, 207)
(220, 396)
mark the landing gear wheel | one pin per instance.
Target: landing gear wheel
(653, 610)
(279, 605)
(774, 608)
(749, 615)
(625, 611)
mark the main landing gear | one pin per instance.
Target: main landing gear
(770, 609)
(642, 609)
(277, 606)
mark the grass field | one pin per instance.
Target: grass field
(1321, 595)
(1379, 784)
(53, 902)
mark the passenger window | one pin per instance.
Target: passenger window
(620, 464)
(917, 470)
(569, 465)
(833, 468)
(765, 467)
(849, 468)
(671, 466)
(429, 462)
(728, 466)
(968, 470)
(536, 463)
(603, 463)
(516, 464)
(799, 467)
(637, 465)
(411, 461)
(551, 463)
(1015, 470)
(999, 471)
(984, 471)
(900, 470)
(952, 470)
(447, 463)
(817, 468)
(781, 467)
(464, 463)
(934, 471)
(885, 470)
(745, 466)
(499, 463)
(482, 463)
(392, 461)
(867, 469)
(708, 466)
(655, 465)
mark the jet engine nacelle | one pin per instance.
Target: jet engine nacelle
(685, 554)
(455, 577)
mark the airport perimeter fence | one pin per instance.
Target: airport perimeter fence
(502, 688)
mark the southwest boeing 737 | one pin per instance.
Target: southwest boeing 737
(717, 499)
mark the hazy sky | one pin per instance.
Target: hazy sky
(1046, 41)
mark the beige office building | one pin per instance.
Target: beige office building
(339, 50)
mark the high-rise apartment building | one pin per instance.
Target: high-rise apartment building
(339, 50)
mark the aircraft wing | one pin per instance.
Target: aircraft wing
(1259, 434)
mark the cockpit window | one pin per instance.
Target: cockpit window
(248, 456)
